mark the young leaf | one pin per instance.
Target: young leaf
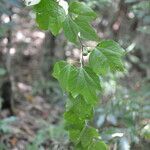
(31, 2)
(88, 136)
(63, 72)
(78, 27)
(98, 145)
(80, 107)
(70, 29)
(74, 135)
(77, 81)
(50, 15)
(85, 82)
(106, 56)
(72, 121)
(82, 10)
(86, 31)
(57, 68)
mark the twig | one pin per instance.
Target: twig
(82, 49)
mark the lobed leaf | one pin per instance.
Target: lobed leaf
(78, 81)
(50, 15)
(82, 10)
(70, 29)
(88, 136)
(64, 72)
(85, 30)
(78, 27)
(98, 145)
(57, 68)
(106, 56)
(72, 121)
(86, 83)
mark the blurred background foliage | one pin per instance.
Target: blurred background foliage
(31, 101)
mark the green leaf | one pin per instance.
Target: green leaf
(80, 107)
(81, 9)
(66, 75)
(79, 147)
(85, 30)
(50, 16)
(85, 82)
(57, 68)
(72, 121)
(31, 2)
(106, 56)
(70, 29)
(78, 81)
(98, 145)
(63, 72)
(78, 27)
(74, 134)
(88, 136)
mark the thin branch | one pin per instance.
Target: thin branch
(82, 49)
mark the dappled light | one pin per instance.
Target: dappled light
(74, 75)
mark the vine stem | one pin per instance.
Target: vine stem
(82, 49)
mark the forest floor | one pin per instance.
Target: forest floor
(35, 115)
(38, 101)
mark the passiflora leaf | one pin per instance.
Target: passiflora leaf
(72, 121)
(80, 108)
(75, 116)
(82, 10)
(106, 56)
(74, 135)
(70, 29)
(86, 83)
(77, 23)
(58, 67)
(78, 81)
(31, 2)
(88, 136)
(78, 27)
(98, 145)
(64, 73)
(50, 15)
(85, 30)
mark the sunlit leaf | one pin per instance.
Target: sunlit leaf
(50, 15)
(31, 2)
(85, 82)
(98, 145)
(78, 27)
(82, 10)
(106, 56)
(70, 29)
(88, 135)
